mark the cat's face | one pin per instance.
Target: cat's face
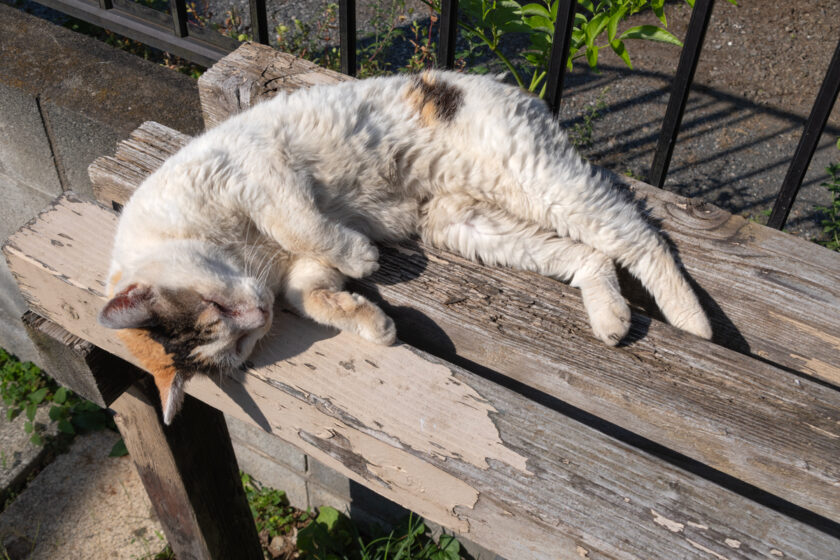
(187, 313)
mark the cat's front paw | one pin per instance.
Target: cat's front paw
(360, 260)
(380, 329)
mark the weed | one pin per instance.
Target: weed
(24, 387)
(581, 133)
(831, 223)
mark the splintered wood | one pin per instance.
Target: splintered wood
(471, 455)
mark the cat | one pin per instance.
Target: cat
(289, 196)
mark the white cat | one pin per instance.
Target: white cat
(289, 196)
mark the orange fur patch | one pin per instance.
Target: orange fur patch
(152, 357)
(112, 282)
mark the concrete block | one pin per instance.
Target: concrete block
(20, 204)
(77, 140)
(272, 474)
(273, 448)
(329, 479)
(25, 153)
(13, 336)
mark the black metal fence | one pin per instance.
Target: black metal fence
(176, 34)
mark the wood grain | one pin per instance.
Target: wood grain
(741, 416)
(769, 294)
(505, 471)
(190, 473)
(247, 75)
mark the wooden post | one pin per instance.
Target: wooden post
(190, 473)
(77, 364)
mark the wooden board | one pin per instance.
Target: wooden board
(234, 85)
(504, 471)
(768, 427)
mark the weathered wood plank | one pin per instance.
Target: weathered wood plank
(246, 76)
(190, 473)
(76, 363)
(507, 472)
(741, 416)
(769, 294)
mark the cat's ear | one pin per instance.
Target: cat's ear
(129, 309)
(172, 397)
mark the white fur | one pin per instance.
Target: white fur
(298, 187)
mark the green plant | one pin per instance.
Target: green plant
(596, 26)
(831, 223)
(271, 510)
(24, 387)
(581, 133)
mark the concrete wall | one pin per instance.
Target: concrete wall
(66, 99)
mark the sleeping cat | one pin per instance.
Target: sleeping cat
(288, 197)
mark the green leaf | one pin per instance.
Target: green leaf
(535, 10)
(691, 2)
(60, 396)
(328, 516)
(592, 56)
(36, 439)
(38, 396)
(119, 449)
(651, 33)
(658, 7)
(56, 413)
(619, 49)
(31, 409)
(594, 28)
(539, 23)
(612, 28)
(66, 427)
(28, 427)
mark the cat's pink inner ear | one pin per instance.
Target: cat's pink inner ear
(131, 308)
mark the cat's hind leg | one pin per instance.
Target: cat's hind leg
(314, 290)
(483, 232)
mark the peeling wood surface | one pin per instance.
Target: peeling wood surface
(503, 470)
(771, 428)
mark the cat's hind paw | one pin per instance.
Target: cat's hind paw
(611, 323)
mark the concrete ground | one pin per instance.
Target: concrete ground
(83, 505)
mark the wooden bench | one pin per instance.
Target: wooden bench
(499, 417)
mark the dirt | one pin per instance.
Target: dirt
(758, 76)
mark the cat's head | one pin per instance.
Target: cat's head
(187, 310)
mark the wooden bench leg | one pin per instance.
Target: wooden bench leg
(190, 473)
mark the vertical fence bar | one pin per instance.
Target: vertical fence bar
(563, 26)
(259, 21)
(347, 32)
(179, 17)
(106, 4)
(807, 143)
(448, 33)
(679, 90)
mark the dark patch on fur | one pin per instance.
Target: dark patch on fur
(445, 98)
(179, 332)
